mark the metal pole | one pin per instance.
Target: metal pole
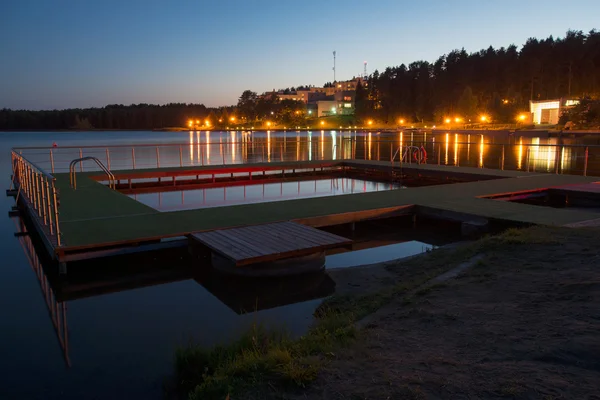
(36, 198)
(502, 165)
(157, 158)
(133, 157)
(44, 200)
(107, 159)
(49, 204)
(52, 160)
(54, 197)
(28, 186)
(180, 157)
(81, 163)
(39, 194)
(585, 162)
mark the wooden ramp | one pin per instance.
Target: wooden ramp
(268, 242)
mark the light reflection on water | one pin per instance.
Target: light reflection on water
(257, 193)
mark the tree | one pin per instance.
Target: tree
(467, 104)
(246, 105)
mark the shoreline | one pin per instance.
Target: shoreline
(494, 314)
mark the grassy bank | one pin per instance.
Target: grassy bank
(338, 360)
(264, 361)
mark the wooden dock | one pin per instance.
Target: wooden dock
(268, 242)
(96, 221)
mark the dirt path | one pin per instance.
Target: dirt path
(524, 323)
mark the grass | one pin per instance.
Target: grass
(264, 361)
(260, 360)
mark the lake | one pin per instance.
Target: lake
(125, 319)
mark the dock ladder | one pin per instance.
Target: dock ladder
(72, 176)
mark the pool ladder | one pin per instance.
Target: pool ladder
(73, 179)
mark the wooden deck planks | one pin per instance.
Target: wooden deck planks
(268, 242)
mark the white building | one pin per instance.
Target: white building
(548, 111)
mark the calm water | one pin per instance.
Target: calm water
(124, 323)
(257, 193)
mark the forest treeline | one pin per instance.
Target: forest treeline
(496, 82)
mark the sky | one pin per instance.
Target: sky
(88, 53)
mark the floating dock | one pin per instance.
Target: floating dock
(95, 220)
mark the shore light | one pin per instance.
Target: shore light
(232, 119)
(522, 117)
(370, 122)
(448, 120)
(322, 122)
(456, 119)
(483, 118)
(401, 121)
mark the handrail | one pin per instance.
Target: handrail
(72, 173)
(394, 156)
(41, 195)
(40, 170)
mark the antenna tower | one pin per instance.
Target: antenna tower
(365, 71)
(334, 65)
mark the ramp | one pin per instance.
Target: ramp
(268, 242)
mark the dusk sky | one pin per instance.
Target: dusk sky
(82, 53)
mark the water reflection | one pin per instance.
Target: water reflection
(520, 152)
(257, 192)
(105, 278)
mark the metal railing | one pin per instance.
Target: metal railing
(38, 189)
(73, 178)
(195, 153)
(574, 159)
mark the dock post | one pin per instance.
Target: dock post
(585, 162)
(49, 211)
(58, 241)
(44, 199)
(51, 160)
(80, 164)
(107, 159)
(502, 165)
(36, 193)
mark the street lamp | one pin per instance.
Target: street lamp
(401, 121)
(483, 118)
(370, 122)
(448, 120)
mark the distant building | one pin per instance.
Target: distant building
(326, 108)
(549, 111)
(324, 101)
